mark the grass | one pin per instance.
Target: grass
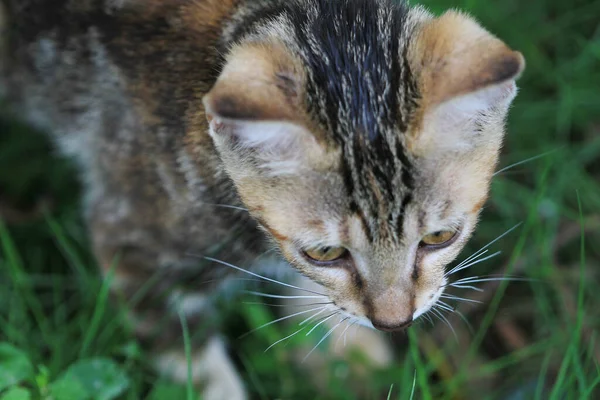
(61, 338)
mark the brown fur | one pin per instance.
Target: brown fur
(183, 114)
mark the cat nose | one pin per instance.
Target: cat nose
(392, 328)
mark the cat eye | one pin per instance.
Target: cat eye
(438, 239)
(324, 255)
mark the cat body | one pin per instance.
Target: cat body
(344, 132)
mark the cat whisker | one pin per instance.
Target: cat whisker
(280, 296)
(466, 287)
(257, 275)
(285, 338)
(426, 315)
(445, 320)
(478, 252)
(348, 325)
(446, 306)
(457, 298)
(462, 316)
(356, 328)
(325, 337)
(271, 250)
(311, 317)
(322, 321)
(471, 258)
(469, 265)
(231, 279)
(488, 278)
(227, 206)
(279, 320)
(524, 162)
(257, 303)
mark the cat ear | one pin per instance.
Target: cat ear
(255, 104)
(458, 57)
(464, 72)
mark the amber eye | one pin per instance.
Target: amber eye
(325, 254)
(438, 239)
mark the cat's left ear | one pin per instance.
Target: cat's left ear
(464, 74)
(255, 108)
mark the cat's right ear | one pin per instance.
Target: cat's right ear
(255, 108)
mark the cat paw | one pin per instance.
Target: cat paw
(212, 371)
(223, 381)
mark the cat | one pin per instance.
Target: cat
(358, 137)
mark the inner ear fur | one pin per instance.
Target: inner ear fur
(257, 108)
(454, 56)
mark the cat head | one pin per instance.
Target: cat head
(362, 136)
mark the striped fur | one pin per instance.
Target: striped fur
(223, 127)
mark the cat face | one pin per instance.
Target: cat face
(366, 160)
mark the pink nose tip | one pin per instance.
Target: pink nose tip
(392, 328)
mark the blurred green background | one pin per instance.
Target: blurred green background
(526, 340)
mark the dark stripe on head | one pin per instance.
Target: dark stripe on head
(359, 88)
(255, 16)
(400, 222)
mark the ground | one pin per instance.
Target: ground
(529, 339)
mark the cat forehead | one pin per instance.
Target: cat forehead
(360, 87)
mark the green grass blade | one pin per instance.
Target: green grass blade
(420, 370)
(99, 310)
(188, 355)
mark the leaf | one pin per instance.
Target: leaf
(16, 393)
(68, 389)
(15, 366)
(100, 378)
(163, 390)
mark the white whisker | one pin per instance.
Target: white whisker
(279, 296)
(447, 308)
(322, 321)
(348, 325)
(227, 206)
(281, 319)
(466, 287)
(312, 316)
(324, 337)
(461, 315)
(477, 279)
(257, 303)
(356, 328)
(445, 305)
(260, 276)
(427, 317)
(455, 270)
(478, 252)
(472, 257)
(285, 338)
(346, 334)
(443, 317)
(523, 162)
(457, 298)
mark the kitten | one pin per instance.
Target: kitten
(358, 136)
